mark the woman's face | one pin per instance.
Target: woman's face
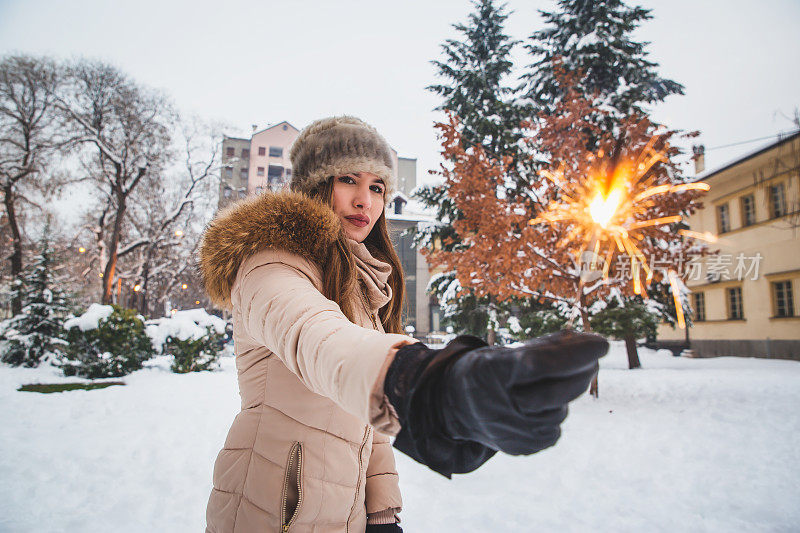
(357, 199)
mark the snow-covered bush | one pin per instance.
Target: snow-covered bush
(194, 355)
(193, 337)
(106, 341)
(30, 338)
(540, 322)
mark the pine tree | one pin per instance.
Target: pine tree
(476, 68)
(627, 320)
(593, 37)
(474, 72)
(33, 335)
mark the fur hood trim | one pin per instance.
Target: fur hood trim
(288, 220)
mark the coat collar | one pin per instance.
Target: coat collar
(288, 220)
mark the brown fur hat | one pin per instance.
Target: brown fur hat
(339, 145)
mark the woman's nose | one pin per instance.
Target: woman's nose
(362, 199)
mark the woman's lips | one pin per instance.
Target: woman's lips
(358, 221)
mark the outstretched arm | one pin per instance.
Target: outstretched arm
(284, 311)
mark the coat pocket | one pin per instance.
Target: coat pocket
(292, 496)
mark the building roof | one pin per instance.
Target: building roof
(782, 138)
(401, 195)
(274, 126)
(410, 217)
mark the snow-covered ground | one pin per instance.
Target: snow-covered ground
(680, 445)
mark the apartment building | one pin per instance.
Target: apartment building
(235, 170)
(403, 215)
(744, 298)
(261, 162)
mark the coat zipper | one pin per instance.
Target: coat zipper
(298, 448)
(358, 483)
(366, 308)
(366, 430)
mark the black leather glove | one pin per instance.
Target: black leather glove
(459, 405)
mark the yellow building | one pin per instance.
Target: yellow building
(744, 298)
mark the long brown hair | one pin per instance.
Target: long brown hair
(339, 276)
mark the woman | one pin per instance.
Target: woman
(316, 267)
(325, 376)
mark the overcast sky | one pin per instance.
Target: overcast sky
(263, 62)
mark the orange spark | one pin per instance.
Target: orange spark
(609, 211)
(676, 295)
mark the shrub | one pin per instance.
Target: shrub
(106, 341)
(194, 354)
(192, 336)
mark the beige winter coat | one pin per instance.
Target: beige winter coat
(305, 452)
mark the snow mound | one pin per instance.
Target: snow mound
(183, 325)
(91, 318)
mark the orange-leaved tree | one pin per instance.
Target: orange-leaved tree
(602, 216)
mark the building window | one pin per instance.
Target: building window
(748, 210)
(275, 151)
(403, 246)
(243, 173)
(436, 317)
(262, 150)
(242, 193)
(783, 297)
(259, 189)
(275, 172)
(777, 201)
(228, 173)
(735, 310)
(229, 151)
(245, 153)
(699, 306)
(723, 219)
(260, 171)
(227, 192)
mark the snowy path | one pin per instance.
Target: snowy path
(681, 445)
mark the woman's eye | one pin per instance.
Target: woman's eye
(346, 179)
(378, 189)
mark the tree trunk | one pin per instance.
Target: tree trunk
(491, 334)
(116, 235)
(16, 255)
(143, 289)
(633, 352)
(593, 388)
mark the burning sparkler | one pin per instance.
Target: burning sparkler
(610, 210)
